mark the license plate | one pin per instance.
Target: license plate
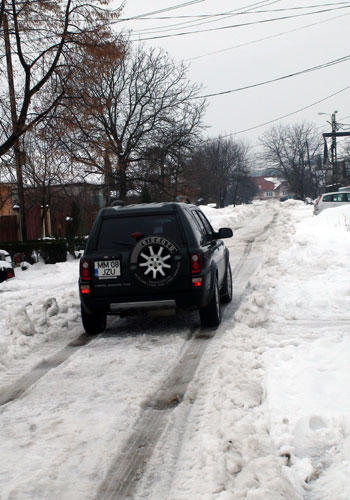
(107, 269)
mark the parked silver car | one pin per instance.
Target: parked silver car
(331, 200)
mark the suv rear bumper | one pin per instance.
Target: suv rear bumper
(117, 307)
(123, 305)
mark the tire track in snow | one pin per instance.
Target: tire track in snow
(128, 467)
(16, 389)
(245, 267)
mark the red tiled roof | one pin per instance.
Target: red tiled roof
(263, 184)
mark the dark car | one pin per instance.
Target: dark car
(6, 268)
(153, 257)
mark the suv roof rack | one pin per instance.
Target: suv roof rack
(117, 203)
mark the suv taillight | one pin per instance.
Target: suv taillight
(318, 200)
(85, 270)
(196, 263)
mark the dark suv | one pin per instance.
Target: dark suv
(153, 257)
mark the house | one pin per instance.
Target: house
(270, 188)
(73, 203)
(9, 227)
(50, 210)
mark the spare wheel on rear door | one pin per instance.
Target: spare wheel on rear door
(155, 261)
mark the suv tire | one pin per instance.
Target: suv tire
(226, 292)
(210, 315)
(155, 262)
(93, 323)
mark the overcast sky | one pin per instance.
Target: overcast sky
(254, 53)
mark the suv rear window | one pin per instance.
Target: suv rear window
(117, 232)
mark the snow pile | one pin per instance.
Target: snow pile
(236, 457)
(317, 257)
(308, 348)
(231, 216)
(37, 305)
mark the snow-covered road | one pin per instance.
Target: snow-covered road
(165, 409)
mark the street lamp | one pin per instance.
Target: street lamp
(333, 124)
(17, 212)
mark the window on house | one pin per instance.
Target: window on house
(269, 194)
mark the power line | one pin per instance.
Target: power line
(264, 38)
(308, 70)
(189, 17)
(262, 21)
(204, 16)
(214, 18)
(167, 9)
(211, 19)
(288, 114)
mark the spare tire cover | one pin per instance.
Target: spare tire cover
(155, 261)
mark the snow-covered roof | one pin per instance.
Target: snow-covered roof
(274, 180)
(267, 183)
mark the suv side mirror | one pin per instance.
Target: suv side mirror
(224, 232)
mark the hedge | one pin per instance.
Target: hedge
(51, 251)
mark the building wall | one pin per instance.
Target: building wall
(6, 199)
(78, 201)
(8, 228)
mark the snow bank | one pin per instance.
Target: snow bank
(275, 419)
(307, 381)
(39, 304)
(231, 216)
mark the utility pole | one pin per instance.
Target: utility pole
(334, 150)
(19, 155)
(313, 177)
(334, 134)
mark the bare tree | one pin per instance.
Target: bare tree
(218, 169)
(161, 172)
(290, 152)
(46, 172)
(145, 101)
(39, 38)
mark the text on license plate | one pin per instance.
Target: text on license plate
(105, 269)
